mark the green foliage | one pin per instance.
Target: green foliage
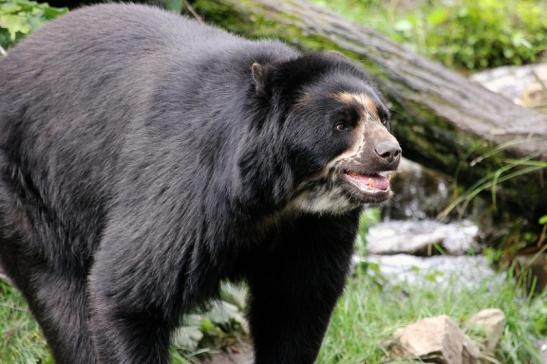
(513, 168)
(369, 217)
(21, 340)
(368, 314)
(20, 17)
(173, 5)
(470, 34)
(480, 34)
(508, 234)
(221, 325)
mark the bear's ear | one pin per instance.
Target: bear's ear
(258, 72)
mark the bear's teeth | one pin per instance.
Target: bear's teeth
(386, 174)
(369, 181)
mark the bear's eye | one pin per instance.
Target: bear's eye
(340, 126)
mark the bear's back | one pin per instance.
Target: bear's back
(92, 71)
(73, 94)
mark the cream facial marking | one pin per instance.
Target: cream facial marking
(362, 99)
(328, 196)
(370, 113)
(323, 198)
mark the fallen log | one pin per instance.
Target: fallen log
(442, 119)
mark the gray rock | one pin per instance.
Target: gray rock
(436, 339)
(442, 271)
(492, 322)
(420, 193)
(542, 345)
(470, 352)
(419, 237)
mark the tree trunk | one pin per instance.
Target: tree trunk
(442, 119)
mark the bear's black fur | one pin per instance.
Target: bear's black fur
(145, 157)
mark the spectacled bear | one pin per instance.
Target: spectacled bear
(146, 157)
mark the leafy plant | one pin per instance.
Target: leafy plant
(369, 217)
(21, 339)
(222, 325)
(368, 314)
(509, 234)
(173, 5)
(20, 17)
(478, 34)
(491, 181)
(468, 34)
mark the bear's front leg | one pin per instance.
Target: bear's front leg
(294, 288)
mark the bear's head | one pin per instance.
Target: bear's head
(334, 132)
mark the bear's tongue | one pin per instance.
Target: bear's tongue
(369, 181)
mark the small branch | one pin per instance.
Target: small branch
(192, 11)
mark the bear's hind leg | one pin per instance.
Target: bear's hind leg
(59, 304)
(55, 293)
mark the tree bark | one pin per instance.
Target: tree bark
(442, 119)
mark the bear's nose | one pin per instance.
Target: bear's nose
(389, 151)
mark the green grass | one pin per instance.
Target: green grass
(464, 34)
(365, 318)
(21, 341)
(370, 312)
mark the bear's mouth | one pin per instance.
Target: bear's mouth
(367, 187)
